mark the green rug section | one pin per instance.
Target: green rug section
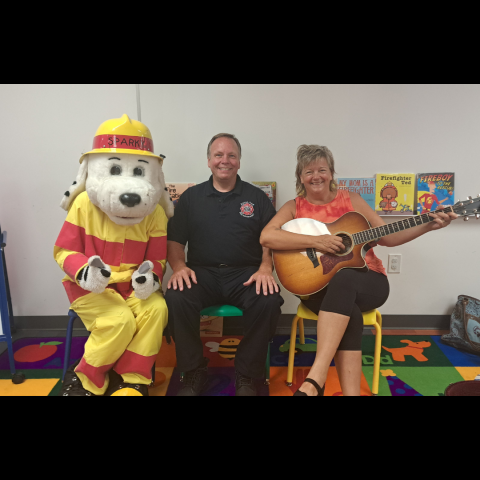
(430, 382)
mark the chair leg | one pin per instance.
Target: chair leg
(301, 331)
(291, 354)
(153, 374)
(267, 365)
(68, 345)
(376, 362)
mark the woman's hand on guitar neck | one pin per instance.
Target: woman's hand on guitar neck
(329, 244)
(441, 220)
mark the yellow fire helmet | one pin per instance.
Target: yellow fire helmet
(123, 135)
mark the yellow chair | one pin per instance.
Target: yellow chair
(372, 317)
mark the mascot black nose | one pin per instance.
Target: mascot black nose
(130, 199)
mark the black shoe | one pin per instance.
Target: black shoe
(244, 386)
(320, 391)
(72, 385)
(194, 381)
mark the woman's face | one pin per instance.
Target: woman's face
(316, 177)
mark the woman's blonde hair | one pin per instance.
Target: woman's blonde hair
(306, 154)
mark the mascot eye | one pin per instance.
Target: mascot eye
(116, 170)
(138, 172)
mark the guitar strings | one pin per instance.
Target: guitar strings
(407, 223)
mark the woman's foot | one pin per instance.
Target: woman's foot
(310, 388)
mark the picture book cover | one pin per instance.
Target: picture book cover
(434, 189)
(270, 189)
(175, 190)
(363, 186)
(395, 193)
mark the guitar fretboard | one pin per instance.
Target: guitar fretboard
(373, 234)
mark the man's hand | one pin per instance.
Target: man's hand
(95, 276)
(181, 275)
(145, 281)
(265, 280)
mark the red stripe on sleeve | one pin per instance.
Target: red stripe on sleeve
(74, 291)
(157, 248)
(73, 263)
(71, 237)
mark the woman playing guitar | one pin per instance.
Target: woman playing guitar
(351, 290)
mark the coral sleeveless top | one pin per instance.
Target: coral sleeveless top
(330, 212)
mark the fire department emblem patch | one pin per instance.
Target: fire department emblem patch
(246, 209)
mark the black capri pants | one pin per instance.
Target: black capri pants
(351, 292)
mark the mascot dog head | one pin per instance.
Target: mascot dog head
(121, 174)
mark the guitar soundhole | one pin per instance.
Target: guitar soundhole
(346, 240)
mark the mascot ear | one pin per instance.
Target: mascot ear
(165, 201)
(77, 187)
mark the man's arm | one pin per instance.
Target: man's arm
(263, 277)
(181, 273)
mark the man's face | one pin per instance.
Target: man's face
(224, 161)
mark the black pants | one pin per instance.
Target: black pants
(351, 292)
(223, 286)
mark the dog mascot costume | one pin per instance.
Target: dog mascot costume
(113, 248)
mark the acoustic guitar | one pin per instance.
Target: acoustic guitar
(305, 272)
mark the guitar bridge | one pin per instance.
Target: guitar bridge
(312, 255)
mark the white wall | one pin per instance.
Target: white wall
(44, 129)
(369, 128)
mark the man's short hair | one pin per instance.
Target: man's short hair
(227, 135)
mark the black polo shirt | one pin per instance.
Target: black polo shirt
(221, 229)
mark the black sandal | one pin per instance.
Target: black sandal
(320, 391)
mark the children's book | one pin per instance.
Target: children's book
(395, 193)
(175, 190)
(434, 189)
(364, 186)
(270, 189)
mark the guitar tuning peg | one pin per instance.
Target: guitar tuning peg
(469, 198)
(465, 219)
(477, 216)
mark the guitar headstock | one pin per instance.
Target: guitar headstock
(470, 206)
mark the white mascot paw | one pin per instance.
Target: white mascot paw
(95, 276)
(145, 281)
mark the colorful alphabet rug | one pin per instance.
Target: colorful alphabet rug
(411, 365)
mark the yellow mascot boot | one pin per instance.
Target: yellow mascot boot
(119, 388)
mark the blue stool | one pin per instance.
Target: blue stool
(5, 309)
(68, 342)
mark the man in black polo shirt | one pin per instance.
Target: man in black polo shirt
(221, 220)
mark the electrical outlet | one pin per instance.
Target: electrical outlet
(394, 263)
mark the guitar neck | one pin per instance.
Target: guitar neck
(373, 234)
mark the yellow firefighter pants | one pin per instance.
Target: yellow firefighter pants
(125, 335)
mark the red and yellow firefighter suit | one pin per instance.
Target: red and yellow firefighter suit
(125, 332)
